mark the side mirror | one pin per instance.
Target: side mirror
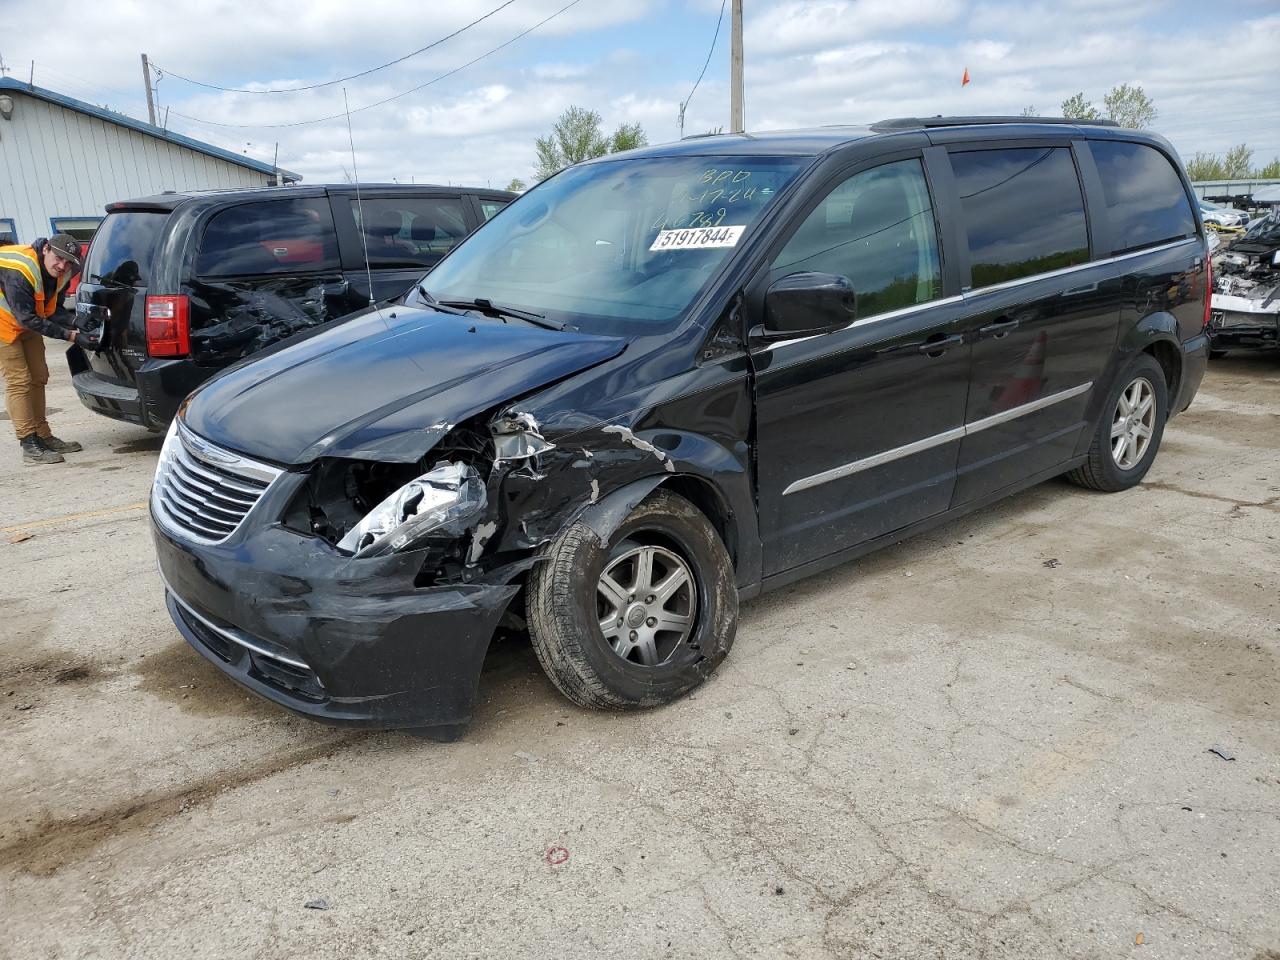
(804, 304)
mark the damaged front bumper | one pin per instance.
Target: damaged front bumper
(332, 637)
(1236, 321)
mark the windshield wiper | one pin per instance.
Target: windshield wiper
(436, 304)
(485, 305)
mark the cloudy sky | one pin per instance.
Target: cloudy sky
(1213, 77)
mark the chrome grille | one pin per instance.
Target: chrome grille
(203, 491)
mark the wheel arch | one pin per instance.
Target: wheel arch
(1156, 334)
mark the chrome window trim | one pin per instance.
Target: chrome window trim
(238, 637)
(937, 440)
(972, 293)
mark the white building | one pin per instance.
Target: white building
(62, 160)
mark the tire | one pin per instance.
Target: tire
(1115, 465)
(652, 657)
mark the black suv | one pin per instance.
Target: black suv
(184, 284)
(669, 379)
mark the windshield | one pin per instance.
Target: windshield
(617, 247)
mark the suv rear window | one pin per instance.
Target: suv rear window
(270, 236)
(123, 247)
(1146, 202)
(1023, 210)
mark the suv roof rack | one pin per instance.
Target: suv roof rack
(925, 123)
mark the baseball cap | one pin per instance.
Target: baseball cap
(65, 246)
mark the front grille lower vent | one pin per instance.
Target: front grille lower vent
(203, 491)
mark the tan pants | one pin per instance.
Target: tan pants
(25, 374)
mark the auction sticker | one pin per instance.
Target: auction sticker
(698, 238)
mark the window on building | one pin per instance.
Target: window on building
(82, 228)
(8, 232)
(412, 230)
(1023, 211)
(1146, 202)
(270, 236)
(877, 229)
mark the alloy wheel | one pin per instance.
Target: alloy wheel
(1133, 423)
(646, 600)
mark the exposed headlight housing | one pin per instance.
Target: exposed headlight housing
(442, 502)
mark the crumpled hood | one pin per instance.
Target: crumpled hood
(378, 388)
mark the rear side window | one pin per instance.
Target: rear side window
(271, 236)
(1023, 211)
(124, 247)
(490, 208)
(877, 229)
(1146, 202)
(410, 230)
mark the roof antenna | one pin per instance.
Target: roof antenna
(364, 233)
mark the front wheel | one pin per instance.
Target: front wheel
(1129, 430)
(640, 620)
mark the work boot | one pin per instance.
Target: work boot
(33, 451)
(60, 446)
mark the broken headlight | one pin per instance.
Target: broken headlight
(442, 502)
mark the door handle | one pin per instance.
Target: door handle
(999, 329)
(936, 348)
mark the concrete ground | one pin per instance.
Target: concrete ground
(991, 741)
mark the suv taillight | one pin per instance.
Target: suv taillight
(1208, 288)
(168, 329)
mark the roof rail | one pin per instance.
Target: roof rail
(926, 123)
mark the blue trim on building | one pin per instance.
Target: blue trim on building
(119, 119)
(53, 221)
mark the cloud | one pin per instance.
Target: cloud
(807, 63)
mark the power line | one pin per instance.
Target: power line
(379, 103)
(354, 76)
(684, 106)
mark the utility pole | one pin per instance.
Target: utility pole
(735, 72)
(146, 80)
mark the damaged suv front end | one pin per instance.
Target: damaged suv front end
(343, 524)
(1246, 289)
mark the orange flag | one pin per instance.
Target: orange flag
(965, 78)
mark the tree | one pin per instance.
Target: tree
(1236, 166)
(1129, 106)
(1078, 108)
(1029, 111)
(1205, 166)
(1271, 171)
(629, 136)
(576, 137)
(516, 185)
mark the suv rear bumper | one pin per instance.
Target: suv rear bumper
(351, 642)
(159, 388)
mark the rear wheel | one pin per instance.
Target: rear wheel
(1129, 430)
(640, 620)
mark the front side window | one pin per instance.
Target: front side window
(270, 236)
(1146, 202)
(877, 229)
(617, 246)
(409, 230)
(1023, 212)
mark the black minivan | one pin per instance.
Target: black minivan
(666, 380)
(185, 284)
